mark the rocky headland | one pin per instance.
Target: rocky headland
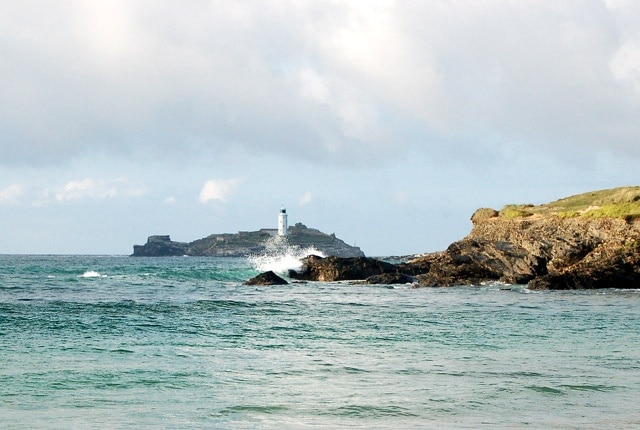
(587, 241)
(245, 243)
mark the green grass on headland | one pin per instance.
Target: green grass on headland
(623, 202)
(629, 211)
(515, 211)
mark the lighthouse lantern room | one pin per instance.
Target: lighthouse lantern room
(282, 222)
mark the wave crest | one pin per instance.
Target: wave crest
(280, 256)
(92, 274)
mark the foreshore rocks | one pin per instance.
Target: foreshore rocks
(543, 251)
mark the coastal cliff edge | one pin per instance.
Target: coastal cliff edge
(587, 241)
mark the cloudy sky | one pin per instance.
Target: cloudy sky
(385, 122)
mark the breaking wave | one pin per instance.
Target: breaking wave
(280, 256)
(92, 274)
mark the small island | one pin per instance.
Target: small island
(246, 243)
(587, 241)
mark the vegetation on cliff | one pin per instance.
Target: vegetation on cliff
(623, 202)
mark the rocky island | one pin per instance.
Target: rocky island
(245, 243)
(587, 241)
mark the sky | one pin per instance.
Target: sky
(385, 122)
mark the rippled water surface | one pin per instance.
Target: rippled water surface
(95, 342)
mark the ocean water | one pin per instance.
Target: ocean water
(119, 342)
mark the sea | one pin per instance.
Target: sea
(95, 342)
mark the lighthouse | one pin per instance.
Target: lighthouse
(282, 222)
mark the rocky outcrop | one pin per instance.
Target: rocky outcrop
(240, 244)
(545, 251)
(334, 268)
(160, 246)
(246, 243)
(266, 278)
(391, 278)
(303, 236)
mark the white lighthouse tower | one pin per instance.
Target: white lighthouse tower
(282, 222)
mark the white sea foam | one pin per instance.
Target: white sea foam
(92, 274)
(280, 256)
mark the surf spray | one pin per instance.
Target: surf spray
(280, 256)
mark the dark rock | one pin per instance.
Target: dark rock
(266, 278)
(608, 267)
(391, 278)
(160, 246)
(446, 269)
(334, 268)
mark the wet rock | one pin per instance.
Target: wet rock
(266, 278)
(330, 269)
(390, 278)
(606, 267)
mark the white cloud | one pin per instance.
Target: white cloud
(313, 86)
(11, 194)
(327, 81)
(617, 4)
(219, 189)
(85, 188)
(625, 65)
(90, 188)
(170, 200)
(371, 48)
(306, 198)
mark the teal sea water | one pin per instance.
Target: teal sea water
(119, 342)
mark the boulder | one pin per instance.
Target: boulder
(266, 278)
(607, 267)
(334, 268)
(391, 278)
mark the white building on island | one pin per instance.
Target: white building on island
(282, 222)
